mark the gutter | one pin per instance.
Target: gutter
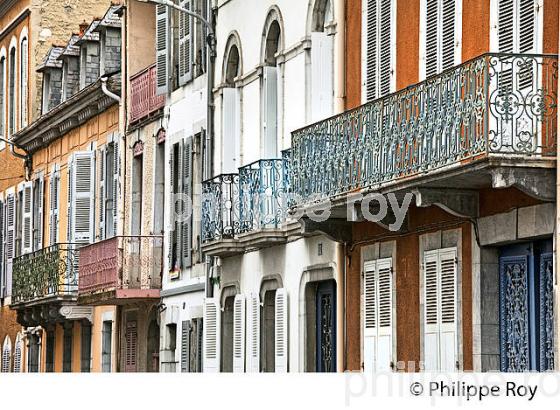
(106, 90)
(26, 157)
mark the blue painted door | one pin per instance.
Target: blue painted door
(326, 326)
(526, 307)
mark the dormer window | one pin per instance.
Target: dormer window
(70, 58)
(51, 68)
(89, 55)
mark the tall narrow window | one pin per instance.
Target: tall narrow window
(227, 336)
(6, 355)
(515, 26)
(33, 354)
(322, 58)
(269, 93)
(231, 115)
(18, 353)
(170, 362)
(378, 49)
(267, 332)
(153, 347)
(159, 189)
(131, 339)
(106, 346)
(12, 93)
(137, 183)
(38, 199)
(67, 347)
(440, 36)
(24, 74)
(86, 348)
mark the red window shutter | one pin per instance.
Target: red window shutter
(131, 346)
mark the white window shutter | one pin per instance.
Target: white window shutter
(18, 354)
(270, 112)
(378, 315)
(253, 333)
(10, 221)
(185, 345)
(24, 67)
(506, 26)
(230, 136)
(527, 30)
(54, 205)
(102, 161)
(431, 40)
(281, 331)
(162, 49)
(431, 312)
(386, 64)
(82, 177)
(38, 213)
(185, 44)
(447, 18)
(116, 181)
(239, 334)
(385, 314)
(27, 218)
(211, 335)
(321, 76)
(6, 355)
(370, 317)
(448, 303)
(2, 244)
(440, 310)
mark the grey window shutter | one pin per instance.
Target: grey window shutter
(186, 225)
(54, 205)
(131, 339)
(185, 345)
(38, 212)
(101, 205)
(2, 227)
(162, 47)
(172, 213)
(185, 44)
(448, 34)
(27, 219)
(115, 193)
(10, 221)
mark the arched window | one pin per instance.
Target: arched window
(18, 353)
(231, 108)
(269, 90)
(6, 354)
(12, 92)
(2, 96)
(322, 58)
(23, 80)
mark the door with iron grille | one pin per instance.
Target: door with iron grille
(326, 326)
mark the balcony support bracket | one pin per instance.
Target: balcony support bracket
(339, 230)
(77, 312)
(539, 183)
(462, 203)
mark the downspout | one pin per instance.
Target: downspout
(556, 243)
(26, 157)
(106, 90)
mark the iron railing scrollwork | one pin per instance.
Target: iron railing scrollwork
(49, 272)
(220, 207)
(493, 105)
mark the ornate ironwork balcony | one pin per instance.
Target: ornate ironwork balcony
(253, 200)
(122, 267)
(143, 98)
(496, 105)
(48, 274)
(220, 207)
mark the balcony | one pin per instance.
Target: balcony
(144, 103)
(245, 210)
(471, 126)
(49, 275)
(121, 270)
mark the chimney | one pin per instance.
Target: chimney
(83, 27)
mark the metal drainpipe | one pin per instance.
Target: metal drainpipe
(556, 243)
(26, 157)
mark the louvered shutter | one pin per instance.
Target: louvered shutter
(211, 335)
(116, 184)
(6, 355)
(230, 137)
(270, 111)
(10, 241)
(185, 44)
(171, 228)
(2, 244)
(431, 309)
(54, 205)
(239, 334)
(431, 46)
(321, 76)
(24, 67)
(281, 331)
(378, 315)
(379, 67)
(505, 26)
(448, 34)
(162, 49)
(131, 346)
(38, 213)
(27, 218)
(448, 304)
(253, 333)
(102, 159)
(17, 356)
(186, 224)
(82, 178)
(440, 310)
(185, 345)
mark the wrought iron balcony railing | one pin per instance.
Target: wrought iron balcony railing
(252, 200)
(121, 262)
(143, 98)
(493, 105)
(46, 274)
